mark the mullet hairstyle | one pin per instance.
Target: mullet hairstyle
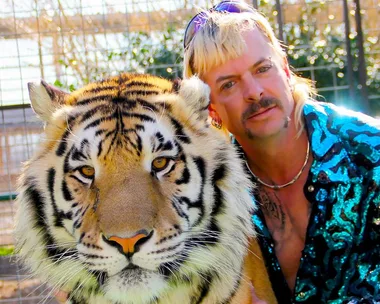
(221, 39)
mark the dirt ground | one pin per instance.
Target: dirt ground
(13, 290)
(17, 287)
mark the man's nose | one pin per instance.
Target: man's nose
(253, 89)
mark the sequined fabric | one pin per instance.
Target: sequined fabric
(341, 259)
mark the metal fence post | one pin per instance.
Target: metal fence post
(350, 74)
(280, 21)
(364, 105)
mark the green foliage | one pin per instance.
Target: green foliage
(58, 84)
(158, 53)
(314, 51)
(319, 52)
(6, 250)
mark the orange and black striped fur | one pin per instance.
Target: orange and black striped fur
(133, 198)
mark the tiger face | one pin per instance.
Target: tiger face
(132, 197)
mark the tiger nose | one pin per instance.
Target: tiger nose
(131, 245)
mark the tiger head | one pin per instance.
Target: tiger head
(132, 197)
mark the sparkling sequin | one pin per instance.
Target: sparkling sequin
(321, 195)
(341, 259)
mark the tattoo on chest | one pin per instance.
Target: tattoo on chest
(271, 206)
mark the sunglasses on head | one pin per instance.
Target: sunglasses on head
(200, 19)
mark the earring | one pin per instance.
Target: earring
(216, 123)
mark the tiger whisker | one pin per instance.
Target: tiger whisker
(222, 237)
(165, 276)
(60, 283)
(163, 111)
(174, 274)
(220, 266)
(35, 289)
(68, 128)
(203, 246)
(49, 265)
(192, 271)
(213, 257)
(48, 268)
(154, 113)
(66, 278)
(60, 244)
(219, 239)
(70, 251)
(59, 258)
(83, 283)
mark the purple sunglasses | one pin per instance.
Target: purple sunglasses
(200, 19)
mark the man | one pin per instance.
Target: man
(316, 167)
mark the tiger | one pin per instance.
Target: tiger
(132, 197)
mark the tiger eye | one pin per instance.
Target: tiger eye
(160, 163)
(87, 171)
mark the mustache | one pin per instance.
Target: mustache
(263, 103)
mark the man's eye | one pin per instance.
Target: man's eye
(227, 85)
(264, 69)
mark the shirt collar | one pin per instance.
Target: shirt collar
(331, 158)
(318, 127)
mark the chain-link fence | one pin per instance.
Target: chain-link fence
(69, 43)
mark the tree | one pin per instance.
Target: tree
(318, 50)
(315, 51)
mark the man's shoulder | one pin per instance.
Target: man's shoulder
(329, 125)
(339, 116)
(344, 123)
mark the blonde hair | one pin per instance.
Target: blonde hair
(221, 39)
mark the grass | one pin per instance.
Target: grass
(6, 250)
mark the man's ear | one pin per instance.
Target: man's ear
(287, 68)
(45, 99)
(212, 112)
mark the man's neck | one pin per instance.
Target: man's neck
(277, 159)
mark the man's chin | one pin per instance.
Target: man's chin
(138, 285)
(263, 131)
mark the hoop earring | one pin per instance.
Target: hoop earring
(216, 123)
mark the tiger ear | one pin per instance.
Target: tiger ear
(177, 85)
(196, 95)
(45, 99)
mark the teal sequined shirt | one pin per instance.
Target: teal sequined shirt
(340, 262)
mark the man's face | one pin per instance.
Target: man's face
(251, 94)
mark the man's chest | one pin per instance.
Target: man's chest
(286, 214)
